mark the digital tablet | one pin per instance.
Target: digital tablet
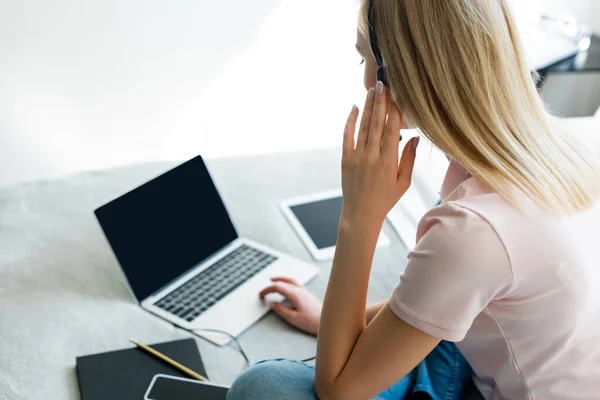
(315, 219)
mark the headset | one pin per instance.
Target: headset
(381, 75)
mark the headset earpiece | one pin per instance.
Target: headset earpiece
(382, 76)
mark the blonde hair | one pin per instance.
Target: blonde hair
(457, 70)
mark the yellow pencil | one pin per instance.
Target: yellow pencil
(169, 361)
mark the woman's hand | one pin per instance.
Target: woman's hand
(372, 180)
(305, 310)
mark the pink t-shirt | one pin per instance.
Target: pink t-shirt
(518, 290)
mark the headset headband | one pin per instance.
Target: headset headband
(381, 75)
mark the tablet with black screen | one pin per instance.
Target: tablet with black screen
(315, 219)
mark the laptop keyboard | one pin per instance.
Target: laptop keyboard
(215, 282)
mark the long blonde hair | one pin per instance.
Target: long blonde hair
(457, 70)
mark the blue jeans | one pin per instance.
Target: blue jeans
(442, 375)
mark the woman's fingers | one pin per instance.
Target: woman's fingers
(407, 164)
(391, 135)
(285, 279)
(284, 312)
(378, 119)
(365, 121)
(285, 289)
(349, 129)
(267, 290)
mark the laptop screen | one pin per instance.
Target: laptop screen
(163, 228)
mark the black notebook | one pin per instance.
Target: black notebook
(126, 374)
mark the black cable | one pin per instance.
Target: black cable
(237, 343)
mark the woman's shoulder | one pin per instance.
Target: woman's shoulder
(523, 237)
(463, 236)
(465, 221)
(474, 208)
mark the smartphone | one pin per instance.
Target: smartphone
(166, 387)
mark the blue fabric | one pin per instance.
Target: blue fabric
(442, 375)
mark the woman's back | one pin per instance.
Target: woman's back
(506, 267)
(520, 286)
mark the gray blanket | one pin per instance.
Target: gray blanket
(62, 293)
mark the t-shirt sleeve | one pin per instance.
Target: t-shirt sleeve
(457, 268)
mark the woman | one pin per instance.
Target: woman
(507, 267)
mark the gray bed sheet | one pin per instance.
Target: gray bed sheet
(62, 293)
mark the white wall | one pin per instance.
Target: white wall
(88, 84)
(92, 84)
(586, 11)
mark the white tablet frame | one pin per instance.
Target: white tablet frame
(327, 252)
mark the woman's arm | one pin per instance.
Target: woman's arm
(373, 309)
(343, 317)
(356, 360)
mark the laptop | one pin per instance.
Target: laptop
(183, 258)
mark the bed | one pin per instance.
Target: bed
(62, 293)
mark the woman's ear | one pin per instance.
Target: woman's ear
(370, 65)
(370, 74)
